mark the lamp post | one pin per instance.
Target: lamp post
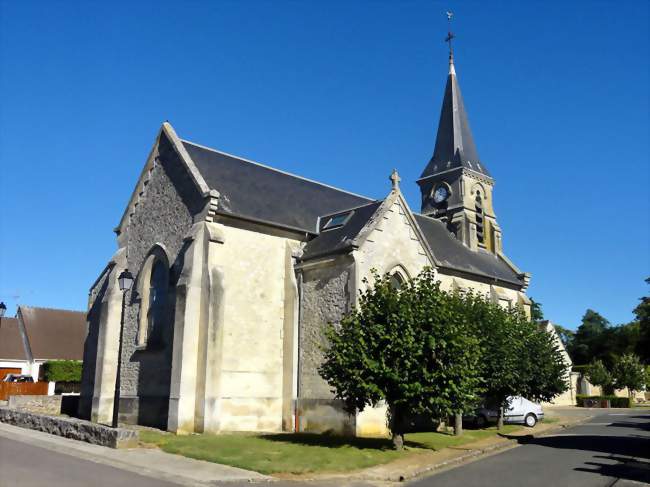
(125, 281)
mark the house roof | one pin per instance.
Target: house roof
(54, 333)
(11, 343)
(455, 146)
(251, 190)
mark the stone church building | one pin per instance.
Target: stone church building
(239, 267)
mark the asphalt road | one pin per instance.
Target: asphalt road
(608, 450)
(25, 465)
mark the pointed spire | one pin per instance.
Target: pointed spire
(454, 142)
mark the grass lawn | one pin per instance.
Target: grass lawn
(303, 453)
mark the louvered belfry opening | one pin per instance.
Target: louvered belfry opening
(479, 217)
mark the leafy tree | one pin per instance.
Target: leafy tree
(598, 375)
(517, 359)
(544, 370)
(536, 313)
(412, 348)
(588, 340)
(629, 372)
(642, 313)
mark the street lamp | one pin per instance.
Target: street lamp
(125, 280)
(3, 308)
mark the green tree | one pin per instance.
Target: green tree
(642, 314)
(545, 373)
(412, 348)
(588, 343)
(598, 375)
(629, 372)
(517, 359)
(536, 313)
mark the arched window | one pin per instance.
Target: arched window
(396, 280)
(153, 289)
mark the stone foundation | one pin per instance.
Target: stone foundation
(76, 429)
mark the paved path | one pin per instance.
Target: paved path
(610, 449)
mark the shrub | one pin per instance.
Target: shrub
(614, 401)
(62, 370)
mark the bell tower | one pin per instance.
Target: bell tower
(456, 186)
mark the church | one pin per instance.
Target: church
(239, 267)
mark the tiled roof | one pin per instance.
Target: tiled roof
(11, 344)
(54, 333)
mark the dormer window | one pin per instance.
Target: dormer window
(337, 221)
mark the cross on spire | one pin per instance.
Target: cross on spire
(450, 36)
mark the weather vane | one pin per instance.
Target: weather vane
(450, 35)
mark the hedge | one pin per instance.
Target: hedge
(62, 370)
(614, 401)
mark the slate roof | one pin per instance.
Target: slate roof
(54, 333)
(255, 191)
(455, 146)
(451, 253)
(339, 239)
(11, 343)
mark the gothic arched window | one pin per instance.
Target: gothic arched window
(396, 281)
(153, 288)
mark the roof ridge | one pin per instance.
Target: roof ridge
(48, 308)
(243, 159)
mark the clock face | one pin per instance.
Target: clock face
(441, 194)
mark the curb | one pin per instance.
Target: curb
(470, 455)
(474, 454)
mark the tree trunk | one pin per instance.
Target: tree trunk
(398, 441)
(458, 424)
(397, 427)
(500, 418)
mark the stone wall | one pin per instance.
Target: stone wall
(90, 345)
(36, 404)
(255, 267)
(325, 299)
(76, 429)
(163, 216)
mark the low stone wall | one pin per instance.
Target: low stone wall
(76, 429)
(37, 404)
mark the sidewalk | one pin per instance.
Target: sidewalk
(148, 462)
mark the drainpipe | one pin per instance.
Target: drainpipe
(297, 378)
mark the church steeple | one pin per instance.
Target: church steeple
(454, 142)
(456, 186)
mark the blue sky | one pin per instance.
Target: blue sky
(341, 92)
